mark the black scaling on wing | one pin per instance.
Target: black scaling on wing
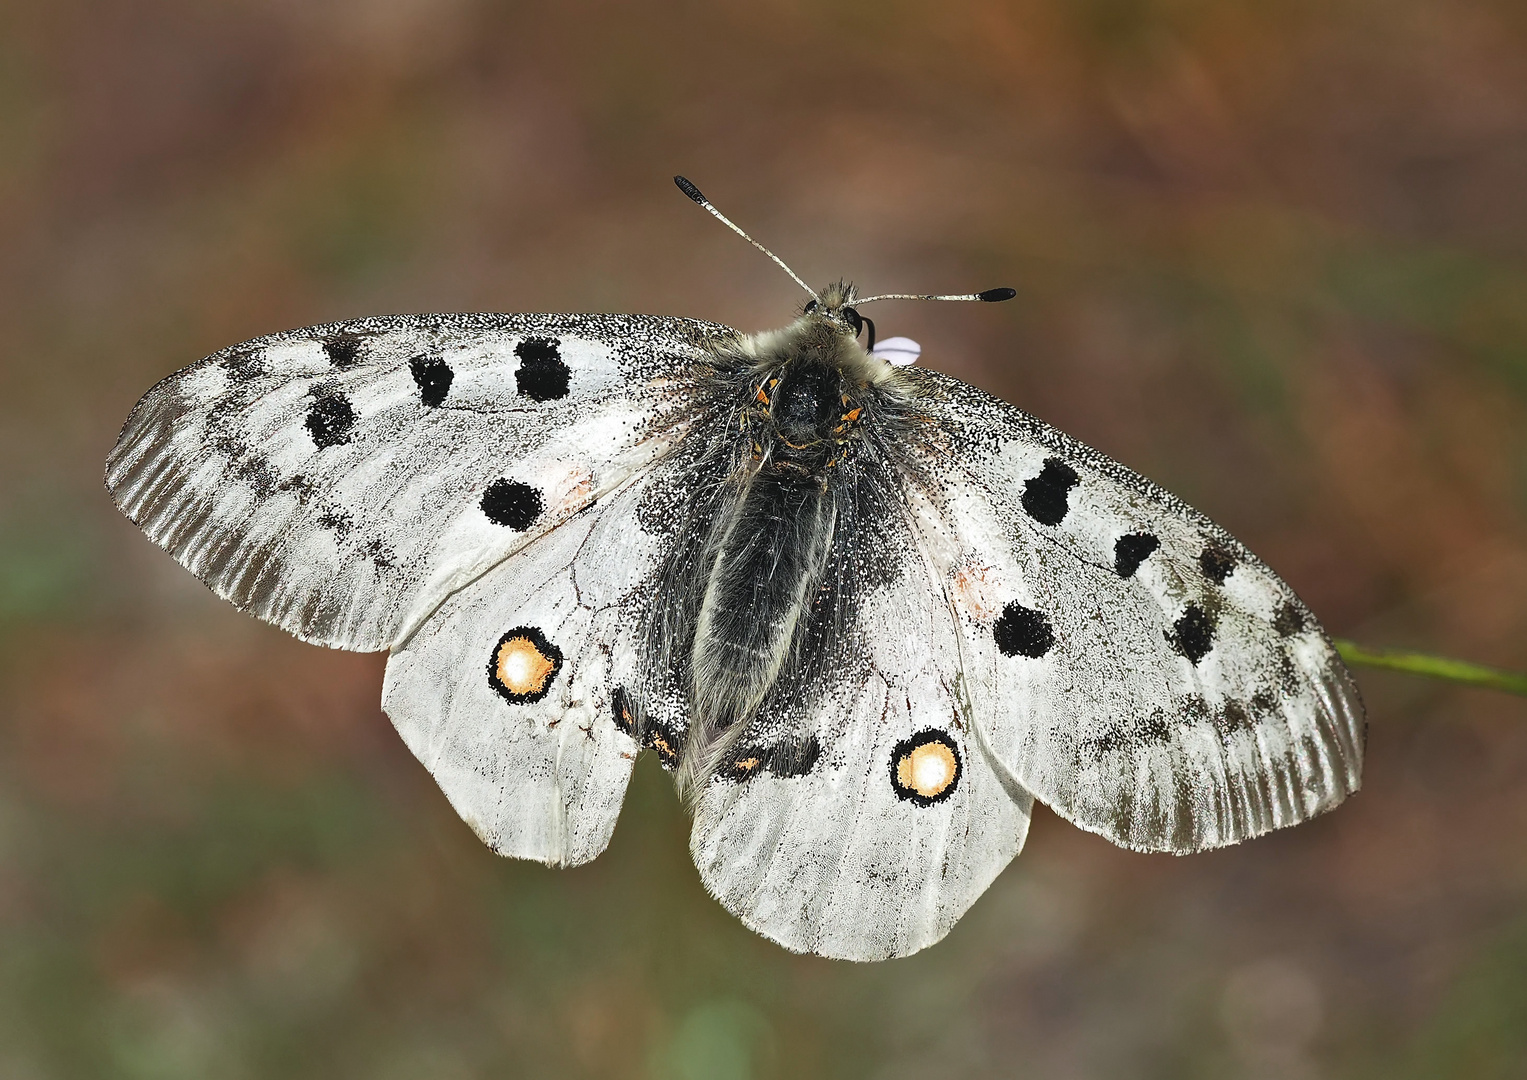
(339, 480)
(1131, 664)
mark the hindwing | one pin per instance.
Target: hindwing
(515, 692)
(859, 817)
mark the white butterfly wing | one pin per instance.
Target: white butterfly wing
(895, 822)
(484, 495)
(1129, 663)
(339, 481)
(510, 693)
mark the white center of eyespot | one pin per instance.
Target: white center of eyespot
(927, 769)
(522, 668)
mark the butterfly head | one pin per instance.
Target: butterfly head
(834, 306)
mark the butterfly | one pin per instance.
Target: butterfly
(866, 613)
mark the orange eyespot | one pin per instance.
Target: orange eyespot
(523, 665)
(925, 769)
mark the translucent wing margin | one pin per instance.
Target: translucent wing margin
(1127, 661)
(341, 480)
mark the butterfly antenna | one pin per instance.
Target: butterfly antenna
(694, 193)
(990, 296)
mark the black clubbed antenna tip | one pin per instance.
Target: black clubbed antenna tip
(689, 189)
(990, 296)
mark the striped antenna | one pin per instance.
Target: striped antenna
(694, 193)
(990, 296)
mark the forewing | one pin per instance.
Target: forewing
(1130, 663)
(861, 817)
(510, 693)
(339, 481)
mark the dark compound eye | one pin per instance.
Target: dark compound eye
(811, 305)
(852, 318)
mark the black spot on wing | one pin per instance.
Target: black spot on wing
(1232, 718)
(793, 758)
(785, 760)
(542, 375)
(343, 350)
(1044, 496)
(380, 553)
(231, 445)
(300, 487)
(1153, 728)
(1098, 745)
(1023, 631)
(1192, 634)
(257, 471)
(336, 520)
(512, 504)
(648, 733)
(330, 418)
(433, 377)
(1289, 680)
(1289, 620)
(1136, 734)
(245, 362)
(1216, 562)
(1132, 550)
(623, 712)
(663, 741)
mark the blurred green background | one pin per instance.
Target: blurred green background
(1272, 253)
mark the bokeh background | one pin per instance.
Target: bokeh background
(1271, 253)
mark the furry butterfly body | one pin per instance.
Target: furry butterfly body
(865, 612)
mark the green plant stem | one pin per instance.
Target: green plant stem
(1434, 667)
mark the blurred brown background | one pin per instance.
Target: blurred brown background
(1273, 254)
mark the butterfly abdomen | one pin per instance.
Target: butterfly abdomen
(767, 554)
